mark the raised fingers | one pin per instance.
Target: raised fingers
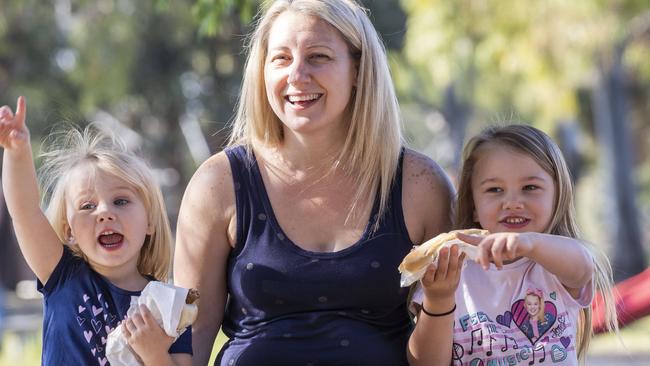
(21, 110)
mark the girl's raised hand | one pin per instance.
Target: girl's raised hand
(14, 134)
(146, 337)
(499, 247)
(441, 278)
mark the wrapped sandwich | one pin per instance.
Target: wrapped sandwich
(415, 263)
(174, 308)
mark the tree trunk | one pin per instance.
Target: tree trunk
(612, 130)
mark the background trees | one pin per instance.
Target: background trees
(166, 75)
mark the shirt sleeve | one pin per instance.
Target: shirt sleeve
(62, 270)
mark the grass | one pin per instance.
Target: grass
(634, 340)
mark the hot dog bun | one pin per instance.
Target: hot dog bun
(190, 310)
(422, 255)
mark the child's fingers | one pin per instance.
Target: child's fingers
(137, 320)
(470, 239)
(147, 317)
(21, 110)
(443, 263)
(497, 250)
(6, 114)
(125, 330)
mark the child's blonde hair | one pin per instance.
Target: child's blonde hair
(541, 148)
(372, 146)
(73, 147)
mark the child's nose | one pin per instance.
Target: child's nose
(104, 214)
(513, 203)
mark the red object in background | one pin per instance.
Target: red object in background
(632, 302)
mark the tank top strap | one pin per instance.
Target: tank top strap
(393, 219)
(246, 191)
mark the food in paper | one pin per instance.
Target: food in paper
(174, 309)
(415, 263)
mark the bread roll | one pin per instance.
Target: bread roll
(424, 254)
(190, 310)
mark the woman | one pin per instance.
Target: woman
(302, 222)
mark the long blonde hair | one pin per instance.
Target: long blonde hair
(72, 147)
(541, 148)
(372, 146)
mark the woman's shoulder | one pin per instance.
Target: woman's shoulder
(427, 194)
(212, 183)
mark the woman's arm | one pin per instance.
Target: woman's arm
(427, 203)
(205, 235)
(37, 240)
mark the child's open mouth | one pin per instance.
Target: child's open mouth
(110, 240)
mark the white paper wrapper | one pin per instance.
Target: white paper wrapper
(165, 302)
(408, 278)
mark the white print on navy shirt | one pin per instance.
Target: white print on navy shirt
(96, 322)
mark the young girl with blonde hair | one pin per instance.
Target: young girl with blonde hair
(514, 183)
(106, 238)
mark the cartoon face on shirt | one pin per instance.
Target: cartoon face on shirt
(532, 305)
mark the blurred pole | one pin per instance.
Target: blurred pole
(612, 130)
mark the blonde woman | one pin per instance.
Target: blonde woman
(301, 222)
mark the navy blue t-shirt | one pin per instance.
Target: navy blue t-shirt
(80, 308)
(291, 307)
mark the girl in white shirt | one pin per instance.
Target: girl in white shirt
(514, 183)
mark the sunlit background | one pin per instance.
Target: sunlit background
(166, 75)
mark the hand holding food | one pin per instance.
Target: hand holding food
(415, 263)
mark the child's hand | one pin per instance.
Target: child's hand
(14, 134)
(146, 337)
(499, 247)
(441, 280)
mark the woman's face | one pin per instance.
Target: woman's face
(309, 74)
(532, 305)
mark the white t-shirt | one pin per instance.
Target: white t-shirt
(498, 318)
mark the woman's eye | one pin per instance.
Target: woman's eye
(279, 58)
(120, 202)
(320, 57)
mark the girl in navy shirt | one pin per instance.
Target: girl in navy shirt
(107, 210)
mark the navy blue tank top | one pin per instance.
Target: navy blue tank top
(289, 306)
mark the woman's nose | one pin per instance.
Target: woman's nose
(299, 72)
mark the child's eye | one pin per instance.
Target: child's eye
(494, 190)
(530, 187)
(120, 202)
(87, 206)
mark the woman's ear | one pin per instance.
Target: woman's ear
(150, 229)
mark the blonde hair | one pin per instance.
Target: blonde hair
(73, 147)
(541, 148)
(374, 138)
